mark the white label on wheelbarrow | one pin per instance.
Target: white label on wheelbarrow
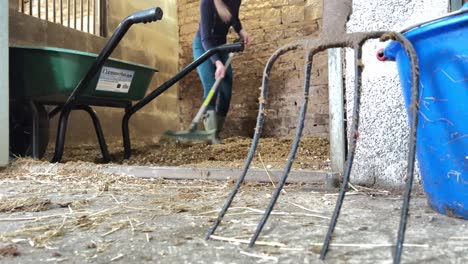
(114, 80)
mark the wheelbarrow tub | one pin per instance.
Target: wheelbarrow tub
(51, 74)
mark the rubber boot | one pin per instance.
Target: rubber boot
(210, 120)
(214, 122)
(219, 127)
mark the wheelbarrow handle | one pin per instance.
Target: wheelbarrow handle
(231, 48)
(146, 16)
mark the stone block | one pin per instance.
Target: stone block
(291, 14)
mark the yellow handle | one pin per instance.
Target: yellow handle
(211, 93)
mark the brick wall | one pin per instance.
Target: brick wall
(272, 23)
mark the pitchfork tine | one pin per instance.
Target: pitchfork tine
(412, 140)
(349, 163)
(257, 134)
(293, 152)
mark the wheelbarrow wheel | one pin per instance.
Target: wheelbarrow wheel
(21, 128)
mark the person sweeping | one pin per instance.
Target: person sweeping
(216, 18)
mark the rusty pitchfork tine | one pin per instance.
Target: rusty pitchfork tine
(349, 162)
(414, 111)
(258, 131)
(292, 153)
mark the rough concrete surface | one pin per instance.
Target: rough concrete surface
(72, 216)
(383, 142)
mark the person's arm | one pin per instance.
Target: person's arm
(236, 24)
(207, 11)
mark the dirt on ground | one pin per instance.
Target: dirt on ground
(73, 216)
(313, 153)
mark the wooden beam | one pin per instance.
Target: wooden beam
(4, 86)
(182, 173)
(455, 5)
(336, 101)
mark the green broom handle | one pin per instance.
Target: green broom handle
(210, 95)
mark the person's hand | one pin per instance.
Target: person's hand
(220, 70)
(246, 38)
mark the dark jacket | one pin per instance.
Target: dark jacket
(212, 30)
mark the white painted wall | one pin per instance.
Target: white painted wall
(4, 83)
(383, 142)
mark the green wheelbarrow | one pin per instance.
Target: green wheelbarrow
(47, 76)
(72, 80)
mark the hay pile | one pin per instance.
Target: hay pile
(313, 153)
(24, 204)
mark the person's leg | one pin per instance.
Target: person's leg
(206, 72)
(224, 99)
(225, 91)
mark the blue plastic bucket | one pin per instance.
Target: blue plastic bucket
(442, 140)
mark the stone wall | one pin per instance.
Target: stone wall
(153, 44)
(383, 141)
(272, 24)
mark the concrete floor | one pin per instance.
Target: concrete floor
(98, 218)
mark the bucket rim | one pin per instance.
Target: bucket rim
(414, 32)
(421, 24)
